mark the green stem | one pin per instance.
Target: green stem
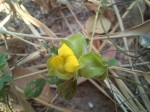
(94, 27)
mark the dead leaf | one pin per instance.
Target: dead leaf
(106, 12)
(95, 1)
(97, 44)
(32, 20)
(99, 29)
(90, 6)
(21, 83)
(109, 14)
(43, 4)
(14, 46)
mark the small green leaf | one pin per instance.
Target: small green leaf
(104, 2)
(54, 50)
(34, 88)
(3, 58)
(54, 80)
(110, 62)
(91, 65)
(1, 84)
(46, 46)
(68, 89)
(6, 78)
(78, 44)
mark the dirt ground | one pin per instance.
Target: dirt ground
(89, 99)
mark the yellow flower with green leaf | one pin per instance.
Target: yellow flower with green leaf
(74, 60)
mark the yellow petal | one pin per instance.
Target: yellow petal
(57, 62)
(65, 51)
(71, 64)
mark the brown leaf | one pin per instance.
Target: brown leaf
(91, 6)
(99, 29)
(97, 44)
(43, 4)
(21, 83)
(109, 14)
(14, 46)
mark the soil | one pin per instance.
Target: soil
(89, 99)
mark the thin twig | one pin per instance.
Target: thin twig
(31, 74)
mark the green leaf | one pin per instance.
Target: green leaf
(54, 50)
(54, 80)
(34, 88)
(91, 65)
(111, 62)
(6, 78)
(104, 2)
(3, 95)
(1, 84)
(78, 44)
(68, 89)
(3, 58)
(46, 46)
(104, 75)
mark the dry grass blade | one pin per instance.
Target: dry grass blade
(129, 70)
(144, 97)
(30, 26)
(141, 90)
(6, 20)
(4, 31)
(118, 96)
(32, 56)
(100, 88)
(34, 21)
(147, 2)
(134, 31)
(128, 94)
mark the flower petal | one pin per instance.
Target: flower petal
(57, 62)
(65, 51)
(71, 64)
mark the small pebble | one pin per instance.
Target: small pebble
(90, 104)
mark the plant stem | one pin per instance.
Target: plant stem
(94, 27)
(31, 74)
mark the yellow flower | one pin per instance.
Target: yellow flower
(65, 51)
(65, 62)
